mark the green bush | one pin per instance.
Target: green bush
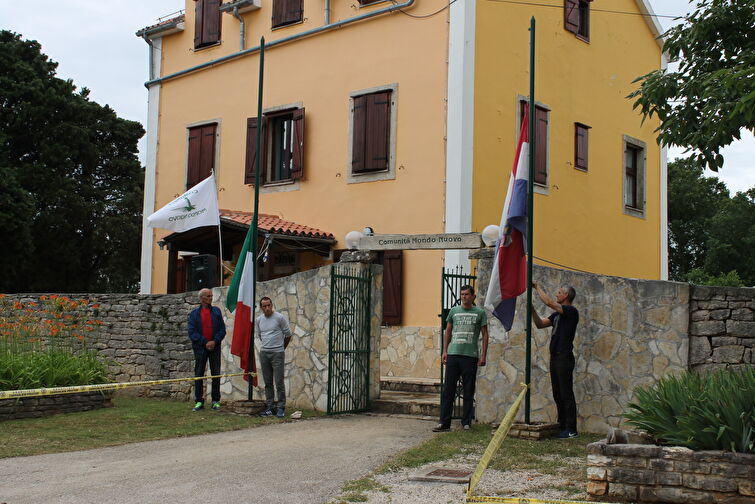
(713, 411)
(29, 370)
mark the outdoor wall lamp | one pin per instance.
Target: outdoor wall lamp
(490, 235)
(161, 244)
(352, 239)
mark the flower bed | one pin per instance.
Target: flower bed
(36, 407)
(649, 473)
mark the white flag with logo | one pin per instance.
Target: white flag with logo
(195, 208)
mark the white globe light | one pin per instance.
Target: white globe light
(490, 235)
(352, 239)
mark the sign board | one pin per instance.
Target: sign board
(442, 241)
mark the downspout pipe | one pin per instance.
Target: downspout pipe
(242, 28)
(268, 45)
(327, 12)
(151, 56)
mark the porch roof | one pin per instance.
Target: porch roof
(274, 224)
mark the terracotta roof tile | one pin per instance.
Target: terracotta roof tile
(274, 224)
(156, 27)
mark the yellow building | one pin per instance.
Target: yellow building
(402, 117)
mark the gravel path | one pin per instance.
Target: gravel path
(295, 462)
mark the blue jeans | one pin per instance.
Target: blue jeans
(201, 357)
(272, 372)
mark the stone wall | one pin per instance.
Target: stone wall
(648, 473)
(631, 333)
(305, 299)
(722, 330)
(37, 407)
(144, 337)
(410, 352)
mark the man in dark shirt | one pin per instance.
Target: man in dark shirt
(206, 331)
(564, 322)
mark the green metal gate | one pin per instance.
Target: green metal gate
(349, 338)
(450, 294)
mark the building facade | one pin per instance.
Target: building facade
(403, 117)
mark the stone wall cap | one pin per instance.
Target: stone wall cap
(482, 253)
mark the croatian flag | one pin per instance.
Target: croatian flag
(240, 299)
(509, 276)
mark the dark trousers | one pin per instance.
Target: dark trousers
(201, 357)
(562, 381)
(466, 367)
(272, 372)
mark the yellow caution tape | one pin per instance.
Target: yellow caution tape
(40, 392)
(525, 500)
(495, 443)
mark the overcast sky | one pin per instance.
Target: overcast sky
(94, 44)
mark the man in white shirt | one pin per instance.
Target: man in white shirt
(275, 335)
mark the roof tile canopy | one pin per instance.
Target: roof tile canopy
(274, 224)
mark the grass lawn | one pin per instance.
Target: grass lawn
(132, 419)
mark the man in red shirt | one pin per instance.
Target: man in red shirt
(206, 331)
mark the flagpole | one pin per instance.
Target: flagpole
(257, 170)
(530, 218)
(220, 237)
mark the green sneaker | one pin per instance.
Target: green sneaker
(198, 406)
(215, 406)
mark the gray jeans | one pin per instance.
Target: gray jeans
(272, 366)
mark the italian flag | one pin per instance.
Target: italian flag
(241, 300)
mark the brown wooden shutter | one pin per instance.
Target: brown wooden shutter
(194, 161)
(211, 23)
(580, 146)
(541, 145)
(571, 15)
(198, 18)
(392, 289)
(287, 12)
(207, 156)
(358, 164)
(251, 150)
(378, 131)
(297, 169)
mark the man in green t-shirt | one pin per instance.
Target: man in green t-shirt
(461, 356)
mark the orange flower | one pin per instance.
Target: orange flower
(95, 306)
(43, 298)
(54, 296)
(17, 305)
(78, 336)
(54, 331)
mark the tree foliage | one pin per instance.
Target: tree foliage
(711, 236)
(71, 181)
(705, 104)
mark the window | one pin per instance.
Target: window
(201, 153)
(541, 141)
(580, 146)
(282, 147)
(286, 12)
(207, 18)
(577, 18)
(634, 177)
(372, 132)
